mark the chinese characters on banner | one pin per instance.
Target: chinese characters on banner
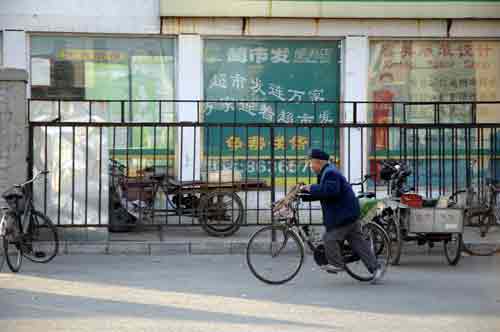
(266, 81)
(430, 71)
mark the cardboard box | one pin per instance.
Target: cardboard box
(224, 176)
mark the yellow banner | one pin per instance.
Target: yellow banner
(72, 54)
(331, 9)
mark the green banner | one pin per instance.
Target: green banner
(281, 82)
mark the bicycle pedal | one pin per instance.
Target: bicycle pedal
(329, 269)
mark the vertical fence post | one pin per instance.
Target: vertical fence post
(273, 171)
(355, 112)
(29, 159)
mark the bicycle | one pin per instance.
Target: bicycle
(24, 231)
(284, 242)
(386, 216)
(482, 215)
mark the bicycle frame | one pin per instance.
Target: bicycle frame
(23, 219)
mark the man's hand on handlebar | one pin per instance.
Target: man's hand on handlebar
(305, 188)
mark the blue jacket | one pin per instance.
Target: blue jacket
(338, 202)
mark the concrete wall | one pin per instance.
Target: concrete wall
(94, 16)
(20, 18)
(13, 131)
(409, 28)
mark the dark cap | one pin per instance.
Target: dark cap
(319, 154)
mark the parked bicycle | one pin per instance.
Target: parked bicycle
(280, 248)
(386, 215)
(24, 231)
(482, 216)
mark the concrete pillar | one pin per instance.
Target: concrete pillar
(356, 58)
(189, 87)
(14, 49)
(13, 131)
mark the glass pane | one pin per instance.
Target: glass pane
(100, 79)
(1, 49)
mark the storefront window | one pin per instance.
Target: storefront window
(109, 71)
(427, 71)
(279, 81)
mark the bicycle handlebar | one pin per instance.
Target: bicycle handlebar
(365, 178)
(292, 194)
(117, 163)
(33, 179)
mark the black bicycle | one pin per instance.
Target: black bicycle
(482, 217)
(386, 215)
(275, 253)
(25, 231)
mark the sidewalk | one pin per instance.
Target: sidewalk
(192, 240)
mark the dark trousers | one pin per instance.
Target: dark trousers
(353, 234)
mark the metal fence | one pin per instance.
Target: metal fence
(259, 161)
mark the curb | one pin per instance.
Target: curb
(152, 248)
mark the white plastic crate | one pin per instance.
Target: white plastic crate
(433, 220)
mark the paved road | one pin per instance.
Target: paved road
(218, 293)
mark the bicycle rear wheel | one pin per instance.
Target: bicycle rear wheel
(275, 254)
(2, 256)
(41, 242)
(392, 227)
(380, 244)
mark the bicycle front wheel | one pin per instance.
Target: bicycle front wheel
(275, 254)
(12, 252)
(41, 242)
(479, 229)
(2, 233)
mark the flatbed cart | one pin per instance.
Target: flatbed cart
(217, 205)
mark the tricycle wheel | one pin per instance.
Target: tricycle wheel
(221, 213)
(393, 230)
(453, 248)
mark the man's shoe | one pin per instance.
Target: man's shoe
(378, 274)
(331, 268)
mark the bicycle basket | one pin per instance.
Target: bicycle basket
(8, 225)
(15, 199)
(412, 200)
(386, 172)
(283, 212)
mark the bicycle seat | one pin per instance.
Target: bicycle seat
(172, 182)
(12, 196)
(366, 195)
(13, 193)
(158, 177)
